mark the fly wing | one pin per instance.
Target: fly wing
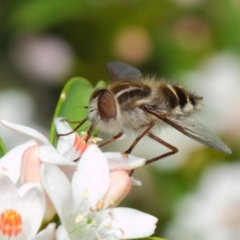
(191, 128)
(194, 129)
(122, 71)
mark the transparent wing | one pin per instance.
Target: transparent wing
(191, 128)
(122, 71)
(194, 129)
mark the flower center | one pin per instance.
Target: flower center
(10, 223)
(79, 144)
(89, 224)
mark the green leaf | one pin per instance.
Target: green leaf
(2, 148)
(73, 98)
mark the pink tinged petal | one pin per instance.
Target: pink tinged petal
(62, 234)
(79, 144)
(47, 234)
(120, 186)
(58, 188)
(71, 143)
(117, 162)
(91, 179)
(48, 154)
(133, 223)
(30, 170)
(32, 211)
(10, 164)
(73, 151)
(72, 155)
(26, 131)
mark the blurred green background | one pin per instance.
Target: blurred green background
(192, 42)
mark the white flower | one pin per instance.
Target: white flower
(72, 146)
(10, 163)
(82, 205)
(69, 149)
(21, 214)
(213, 212)
(24, 161)
(40, 140)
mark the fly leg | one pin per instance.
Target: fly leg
(159, 140)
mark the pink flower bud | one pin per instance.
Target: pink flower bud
(120, 186)
(30, 169)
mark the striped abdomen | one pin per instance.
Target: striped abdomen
(163, 96)
(176, 97)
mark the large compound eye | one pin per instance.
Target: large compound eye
(107, 105)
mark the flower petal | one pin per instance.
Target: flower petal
(26, 130)
(136, 182)
(64, 142)
(58, 188)
(10, 163)
(8, 193)
(23, 189)
(47, 234)
(71, 145)
(48, 154)
(117, 162)
(30, 207)
(32, 211)
(92, 176)
(133, 223)
(62, 234)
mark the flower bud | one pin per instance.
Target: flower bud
(120, 185)
(30, 169)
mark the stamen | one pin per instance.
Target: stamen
(108, 225)
(85, 193)
(10, 223)
(109, 201)
(4, 169)
(79, 218)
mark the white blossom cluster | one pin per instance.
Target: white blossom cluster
(38, 181)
